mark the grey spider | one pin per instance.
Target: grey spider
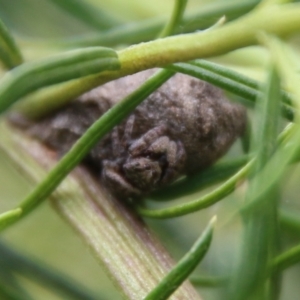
(182, 128)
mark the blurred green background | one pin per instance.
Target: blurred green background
(44, 236)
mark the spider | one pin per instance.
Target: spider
(181, 128)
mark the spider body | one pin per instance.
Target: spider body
(182, 128)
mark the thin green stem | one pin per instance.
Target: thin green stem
(146, 30)
(10, 54)
(70, 65)
(290, 220)
(208, 281)
(286, 259)
(279, 264)
(217, 194)
(9, 217)
(176, 16)
(226, 79)
(260, 236)
(213, 77)
(209, 199)
(236, 76)
(226, 72)
(288, 151)
(184, 267)
(162, 52)
(85, 143)
(196, 182)
(215, 42)
(100, 220)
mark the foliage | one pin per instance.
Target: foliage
(250, 187)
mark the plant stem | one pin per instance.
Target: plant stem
(82, 146)
(145, 30)
(203, 179)
(178, 10)
(120, 241)
(207, 200)
(10, 54)
(184, 47)
(185, 266)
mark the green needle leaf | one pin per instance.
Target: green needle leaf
(10, 55)
(289, 148)
(184, 47)
(212, 175)
(286, 259)
(145, 30)
(208, 281)
(176, 17)
(260, 234)
(9, 217)
(88, 140)
(290, 220)
(230, 81)
(184, 267)
(280, 263)
(70, 65)
(209, 199)
(196, 182)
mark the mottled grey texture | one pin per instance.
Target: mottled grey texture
(183, 127)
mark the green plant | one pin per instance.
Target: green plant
(121, 242)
